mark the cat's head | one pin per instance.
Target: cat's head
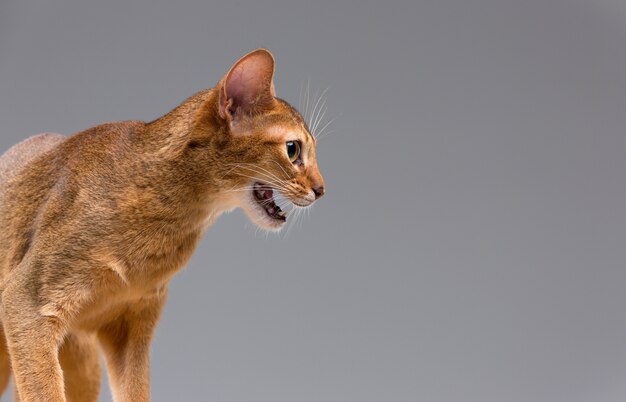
(266, 153)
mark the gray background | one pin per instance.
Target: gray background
(471, 246)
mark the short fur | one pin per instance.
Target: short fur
(96, 224)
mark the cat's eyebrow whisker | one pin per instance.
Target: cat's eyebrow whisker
(330, 132)
(314, 106)
(328, 123)
(301, 96)
(315, 114)
(320, 118)
(312, 111)
(308, 94)
(323, 134)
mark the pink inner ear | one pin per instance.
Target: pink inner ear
(250, 80)
(245, 83)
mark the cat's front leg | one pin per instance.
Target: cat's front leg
(126, 345)
(33, 339)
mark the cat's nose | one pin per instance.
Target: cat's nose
(319, 191)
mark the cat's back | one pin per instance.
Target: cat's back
(45, 159)
(13, 161)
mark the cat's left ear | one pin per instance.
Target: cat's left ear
(248, 87)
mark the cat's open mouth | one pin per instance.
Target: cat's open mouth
(264, 196)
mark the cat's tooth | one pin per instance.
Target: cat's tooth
(282, 213)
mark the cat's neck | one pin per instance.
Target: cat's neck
(193, 193)
(168, 134)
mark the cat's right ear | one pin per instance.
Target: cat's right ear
(248, 87)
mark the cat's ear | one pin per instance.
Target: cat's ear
(248, 86)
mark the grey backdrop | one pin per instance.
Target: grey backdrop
(471, 246)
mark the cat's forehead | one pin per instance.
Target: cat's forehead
(280, 132)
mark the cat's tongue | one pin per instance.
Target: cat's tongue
(263, 192)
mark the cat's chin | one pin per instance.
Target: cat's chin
(261, 208)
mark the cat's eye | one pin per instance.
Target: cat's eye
(293, 150)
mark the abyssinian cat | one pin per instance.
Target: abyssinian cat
(94, 226)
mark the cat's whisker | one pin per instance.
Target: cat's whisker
(235, 190)
(298, 217)
(273, 179)
(285, 204)
(330, 132)
(281, 168)
(301, 97)
(261, 179)
(325, 133)
(316, 112)
(322, 133)
(320, 118)
(308, 94)
(252, 167)
(305, 95)
(293, 217)
(313, 107)
(274, 184)
(227, 172)
(325, 126)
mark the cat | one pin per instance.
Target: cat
(95, 225)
